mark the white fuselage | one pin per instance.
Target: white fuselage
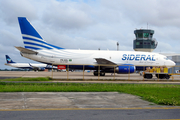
(26, 65)
(88, 57)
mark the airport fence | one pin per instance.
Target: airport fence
(173, 72)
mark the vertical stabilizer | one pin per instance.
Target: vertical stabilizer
(9, 60)
(31, 38)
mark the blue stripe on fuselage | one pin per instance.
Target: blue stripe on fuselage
(88, 67)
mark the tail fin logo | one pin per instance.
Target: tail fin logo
(31, 38)
(9, 60)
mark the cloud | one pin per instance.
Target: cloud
(66, 15)
(156, 12)
(11, 9)
(89, 24)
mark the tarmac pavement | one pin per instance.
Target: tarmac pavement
(72, 100)
(82, 76)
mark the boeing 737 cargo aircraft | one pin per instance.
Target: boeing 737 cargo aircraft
(33, 66)
(36, 48)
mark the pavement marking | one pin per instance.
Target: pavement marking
(89, 109)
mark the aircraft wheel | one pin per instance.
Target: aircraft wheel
(148, 76)
(102, 73)
(157, 75)
(167, 76)
(95, 73)
(144, 76)
(160, 76)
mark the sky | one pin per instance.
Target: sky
(89, 24)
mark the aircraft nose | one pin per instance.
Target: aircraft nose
(172, 63)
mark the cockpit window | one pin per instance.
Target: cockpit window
(166, 58)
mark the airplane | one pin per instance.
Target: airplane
(101, 61)
(32, 66)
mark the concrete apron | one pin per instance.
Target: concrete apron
(75, 100)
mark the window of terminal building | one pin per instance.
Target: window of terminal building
(140, 35)
(137, 43)
(146, 35)
(151, 34)
(136, 35)
(147, 43)
(152, 42)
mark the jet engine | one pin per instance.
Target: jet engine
(41, 69)
(125, 69)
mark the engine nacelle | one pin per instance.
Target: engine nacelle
(41, 69)
(125, 69)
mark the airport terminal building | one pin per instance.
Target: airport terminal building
(176, 59)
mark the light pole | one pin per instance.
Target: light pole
(117, 46)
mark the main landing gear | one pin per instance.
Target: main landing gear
(101, 73)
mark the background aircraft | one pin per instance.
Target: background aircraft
(122, 62)
(32, 66)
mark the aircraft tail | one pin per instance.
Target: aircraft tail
(9, 60)
(31, 38)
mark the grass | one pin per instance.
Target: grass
(162, 94)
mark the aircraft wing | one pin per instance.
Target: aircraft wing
(24, 50)
(104, 61)
(37, 68)
(33, 67)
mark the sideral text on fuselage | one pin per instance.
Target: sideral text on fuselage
(138, 57)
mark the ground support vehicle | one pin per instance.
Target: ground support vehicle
(149, 75)
(159, 72)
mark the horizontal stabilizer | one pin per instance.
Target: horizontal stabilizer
(104, 61)
(24, 50)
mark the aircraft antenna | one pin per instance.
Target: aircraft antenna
(147, 25)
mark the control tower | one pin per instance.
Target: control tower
(144, 40)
